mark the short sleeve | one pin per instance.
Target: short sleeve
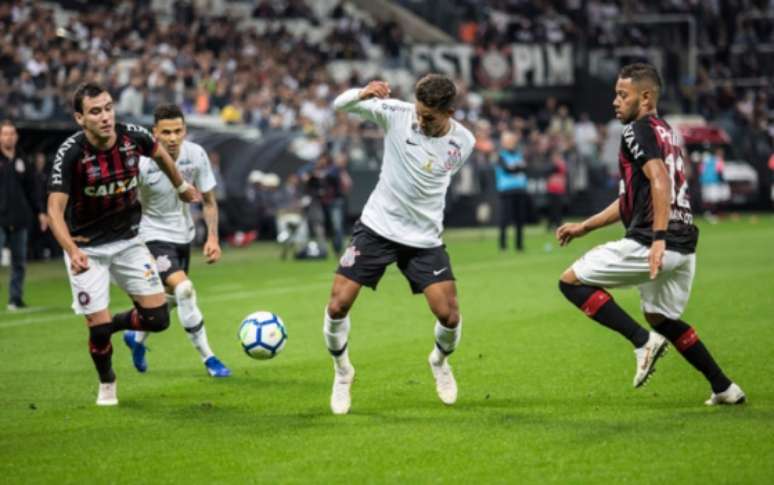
(60, 176)
(146, 143)
(645, 145)
(205, 179)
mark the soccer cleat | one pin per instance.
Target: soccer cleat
(108, 395)
(16, 305)
(341, 401)
(732, 395)
(647, 355)
(215, 367)
(445, 385)
(138, 351)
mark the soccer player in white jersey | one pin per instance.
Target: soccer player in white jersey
(402, 221)
(168, 229)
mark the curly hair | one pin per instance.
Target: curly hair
(436, 91)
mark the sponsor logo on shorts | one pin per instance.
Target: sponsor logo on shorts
(163, 263)
(437, 272)
(348, 258)
(150, 274)
(83, 298)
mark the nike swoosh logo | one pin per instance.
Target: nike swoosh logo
(409, 142)
(436, 273)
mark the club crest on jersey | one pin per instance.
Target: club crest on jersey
(93, 171)
(454, 157)
(348, 258)
(117, 187)
(131, 162)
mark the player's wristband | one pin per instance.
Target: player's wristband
(659, 235)
(183, 187)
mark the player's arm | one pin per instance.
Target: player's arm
(185, 191)
(57, 202)
(353, 101)
(660, 193)
(210, 213)
(568, 232)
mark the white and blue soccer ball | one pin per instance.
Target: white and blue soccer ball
(263, 335)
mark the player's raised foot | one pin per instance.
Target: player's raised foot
(732, 395)
(647, 355)
(138, 351)
(108, 394)
(445, 385)
(341, 400)
(216, 368)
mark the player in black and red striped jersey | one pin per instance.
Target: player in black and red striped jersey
(94, 215)
(657, 253)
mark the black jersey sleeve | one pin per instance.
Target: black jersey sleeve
(60, 176)
(146, 143)
(645, 146)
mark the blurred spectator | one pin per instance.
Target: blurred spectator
(327, 183)
(556, 187)
(714, 190)
(511, 180)
(19, 203)
(42, 244)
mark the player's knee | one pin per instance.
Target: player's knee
(184, 292)
(655, 319)
(153, 319)
(448, 313)
(569, 277)
(99, 337)
(338, 308)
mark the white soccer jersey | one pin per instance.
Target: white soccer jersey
(164, 216)
(407, 204)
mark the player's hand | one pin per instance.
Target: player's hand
(568, 232)
(190, 195)
(375, 89)
(656, 257)
(79, 262)
(211, 250)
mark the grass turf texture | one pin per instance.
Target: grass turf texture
(545, 393)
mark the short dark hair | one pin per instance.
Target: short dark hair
(7, 122)
(641, 71)
(167, 112)
(436, 91)
(90, 90)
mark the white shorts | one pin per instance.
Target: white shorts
(128, 263)
(625, 263)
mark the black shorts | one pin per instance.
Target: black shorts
(170, 257)
(368, 255)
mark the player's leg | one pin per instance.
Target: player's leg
(442, 299)
(91, 298)
(663, 303)
(191, 319)
(618, 263)
(504, 218)
(429, 272)
(520, 212)
(362, 264)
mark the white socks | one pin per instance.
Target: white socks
(447, 339)
(191, 318)
(336, 333)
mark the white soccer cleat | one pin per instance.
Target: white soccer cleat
(341, 401)
(647, 355)
(445, 385)
(733, 395)
(108, 394)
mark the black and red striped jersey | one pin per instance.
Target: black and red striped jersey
(102, 184)
(646, 139)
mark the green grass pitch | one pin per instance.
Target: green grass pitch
(545, 393)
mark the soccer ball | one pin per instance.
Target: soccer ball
(263, 335)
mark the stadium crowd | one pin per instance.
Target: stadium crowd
(279, 81)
